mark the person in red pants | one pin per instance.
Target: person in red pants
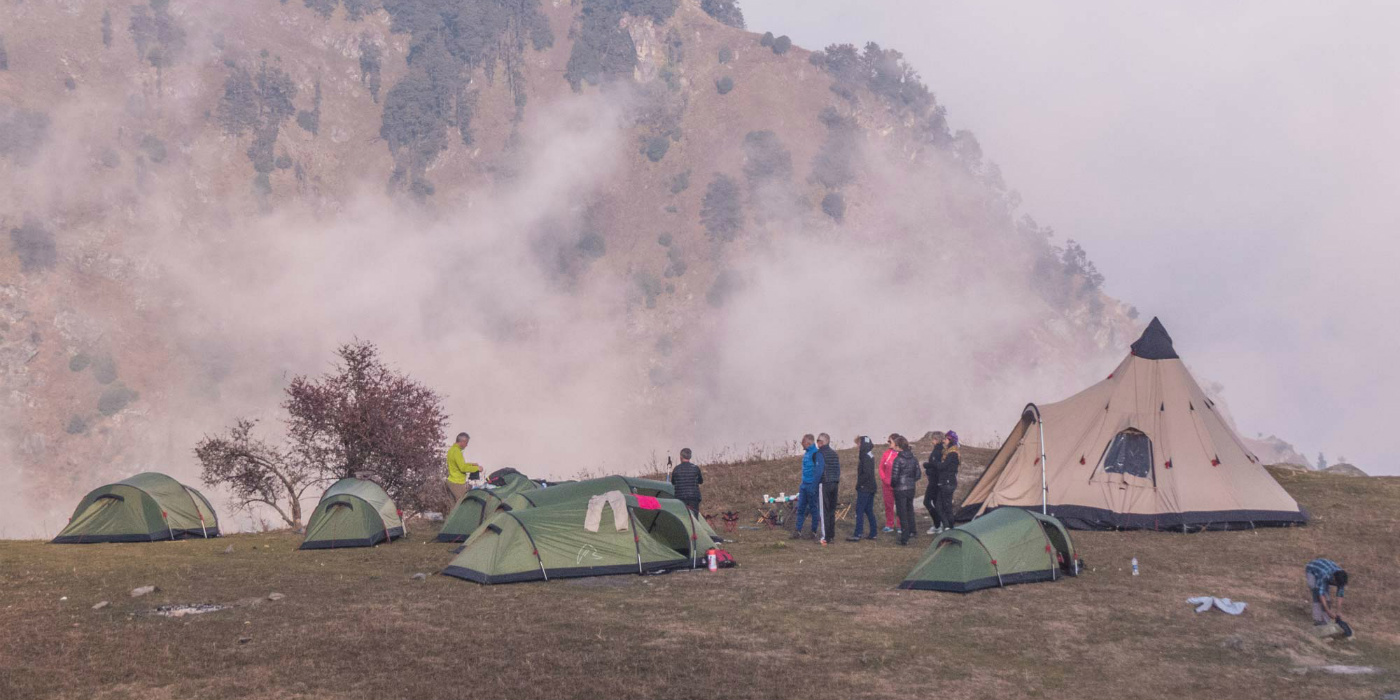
(886, 465)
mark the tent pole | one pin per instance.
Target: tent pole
(1044, 489)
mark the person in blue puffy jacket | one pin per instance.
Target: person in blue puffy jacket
(807, 500)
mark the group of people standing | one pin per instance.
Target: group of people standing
(899, 472)
(898, 478)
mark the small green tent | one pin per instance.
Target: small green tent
(144, 508)
(478, 505)
(353, 513)
(1005, 546)
(553, 542)
(583, 490)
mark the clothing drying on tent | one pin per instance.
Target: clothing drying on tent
(1001, 548)
(477, 506)
(563, 541)
(573, 491)
(583, 490)
(1143, 449)
(144, 508)
(353, 513)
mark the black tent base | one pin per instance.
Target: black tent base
(981, 583)
(1085, 518)
(569, 572)
(162, 536)
(377, 538)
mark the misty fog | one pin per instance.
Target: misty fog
(1229, 167)
(1257, 245)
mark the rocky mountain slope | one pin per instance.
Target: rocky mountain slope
(589, 221)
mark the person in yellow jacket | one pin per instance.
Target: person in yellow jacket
(459, 470)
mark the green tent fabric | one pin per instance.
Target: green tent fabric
(511, 478)
(353, 513)
(583, 490)
(478, 505)
(1003, 547)
(144, 508)
(551, 542)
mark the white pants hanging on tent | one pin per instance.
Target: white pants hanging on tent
(617, 501)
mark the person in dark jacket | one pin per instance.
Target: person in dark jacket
(865, 488)
(830, 463)
(686, 479)
(904, 477)
(811, 486)
(948, 479)
(931, 491)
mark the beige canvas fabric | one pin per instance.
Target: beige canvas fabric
(1202, 475)
(594, 517)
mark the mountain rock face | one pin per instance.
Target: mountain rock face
(602, 227)
(1274, 450)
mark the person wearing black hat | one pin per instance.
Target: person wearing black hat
(865, 488)
(948, 479)
(931, 491)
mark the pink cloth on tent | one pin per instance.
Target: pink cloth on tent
(648, 503)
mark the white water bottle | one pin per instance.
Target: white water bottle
(1135, 569)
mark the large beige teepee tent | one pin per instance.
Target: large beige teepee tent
(1143, 449)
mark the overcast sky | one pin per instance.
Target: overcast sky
(1233, 168)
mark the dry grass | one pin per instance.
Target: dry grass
(795, 620)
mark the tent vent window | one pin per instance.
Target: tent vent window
(1130, 453)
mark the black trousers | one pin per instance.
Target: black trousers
(692, 504)
(904, 506)
(931, 500)
(945, 503)
(828, 491)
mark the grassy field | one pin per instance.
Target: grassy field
(795, 620)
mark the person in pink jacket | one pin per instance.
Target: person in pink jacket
(886, 466)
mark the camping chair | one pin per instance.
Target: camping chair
(731, 521)
(843, 510)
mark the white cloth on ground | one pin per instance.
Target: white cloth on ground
(1204, 603)
(595, 511)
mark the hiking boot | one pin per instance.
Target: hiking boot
(795, 535)
(903, 542)
(853, 538)
(871, 538)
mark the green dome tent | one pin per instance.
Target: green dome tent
(576, 490)
(1005, 546)
(353, 513)
(144, 508)
(478, 505)
(551, 542)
